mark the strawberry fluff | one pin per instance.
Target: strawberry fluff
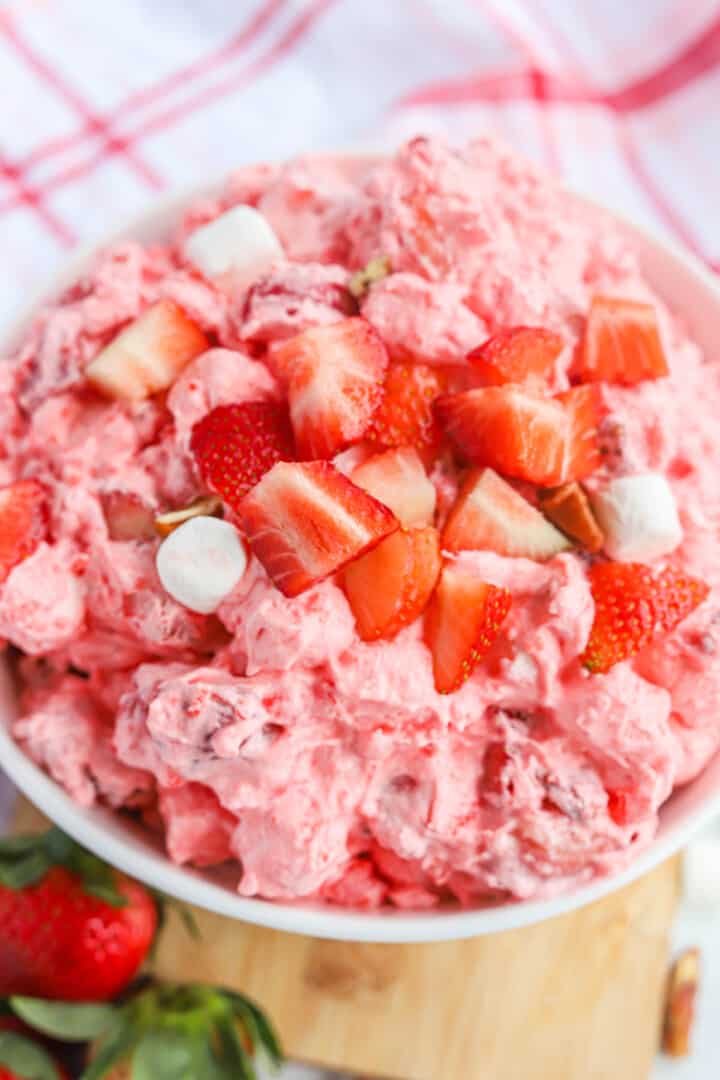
(362, 537)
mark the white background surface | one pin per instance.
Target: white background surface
(101, 105)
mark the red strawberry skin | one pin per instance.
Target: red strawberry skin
(546, 441)
(334, 377)
(521, 354)
(235, 445)
(305, 521)
(23, 522)
(621, 343)
(58, 941)
(634, 606)
(405, 416)
(462, 623)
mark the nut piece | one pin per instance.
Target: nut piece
(680, 1004)
(377, 269)
(203, 506)
(568, 507)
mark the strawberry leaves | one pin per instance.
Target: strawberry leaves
(67, 1021)
(117, 1043)
(174, 1031)
(165, 1055)
(170, 1032)
(25, 860)
(22, 1057)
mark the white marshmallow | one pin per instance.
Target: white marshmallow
(638, 516)
(235, 248)
(201, 562)
(701, 875)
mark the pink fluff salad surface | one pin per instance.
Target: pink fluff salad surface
(269, 735)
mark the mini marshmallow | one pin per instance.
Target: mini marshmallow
(201, 562)
(235, 248)
(638, 516)
(701, 875)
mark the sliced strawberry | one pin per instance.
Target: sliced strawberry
(622, 343)
(583, 412)
(569, 508)
(235, 445)
(128, 516)
(334, 377)
(306, 520)
(548, 441)
(462, 623)
(398, 479)
(148, 355)
(405, 416)
(522, 354)
(633, 606)
(23, 522)
(390, 586)
(490, 515)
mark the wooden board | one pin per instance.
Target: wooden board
(576, 998)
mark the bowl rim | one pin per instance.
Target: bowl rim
(100, 829)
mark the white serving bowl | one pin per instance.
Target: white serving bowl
(688, 289)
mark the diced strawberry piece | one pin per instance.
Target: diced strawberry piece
(547, 441)
(128, 516)
(148, 355)
(405, 416)
(398, 479)
(390, 586)
(583, 412)
(462, 623)
(634, 606)
(490, 515)
(306, 520)
(622, 343)
(334, 376)
(522, 354)
(619, 804)
(235, 445)
(23, 522)
(569, 508)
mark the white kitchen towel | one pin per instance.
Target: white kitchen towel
(102, 106)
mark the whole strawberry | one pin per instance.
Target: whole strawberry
(71, 927)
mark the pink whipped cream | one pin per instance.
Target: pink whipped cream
(269, 734)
